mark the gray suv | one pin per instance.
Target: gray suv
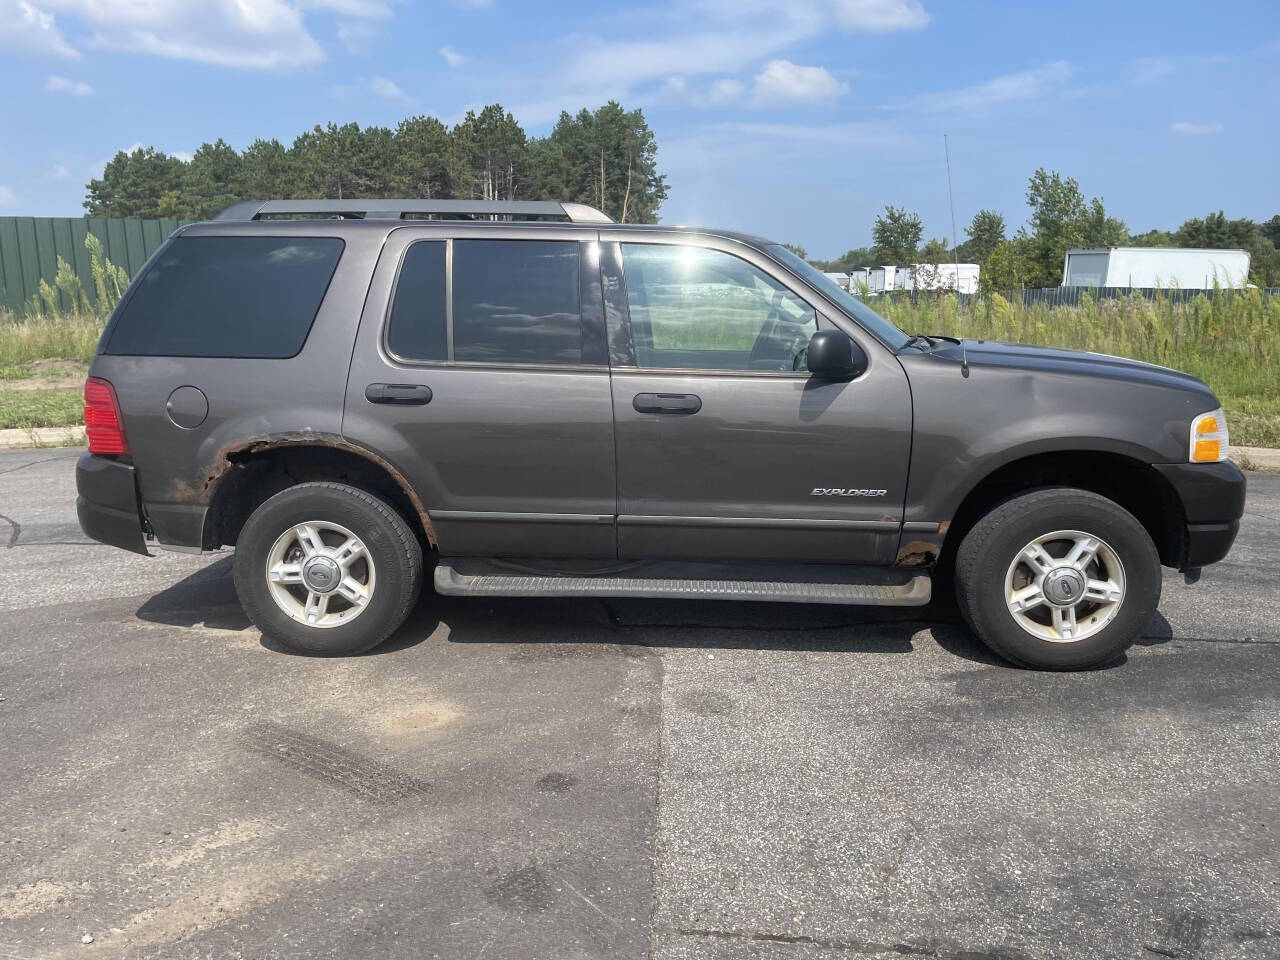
(547, 403)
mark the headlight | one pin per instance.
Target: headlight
(1209, 440)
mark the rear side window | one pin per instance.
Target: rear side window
(517, 301)
(227, 297)
(418, 318)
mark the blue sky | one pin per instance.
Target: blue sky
(798, 119)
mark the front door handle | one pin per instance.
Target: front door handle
(677, 403)
(407, 394)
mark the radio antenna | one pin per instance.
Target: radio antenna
(955, 250)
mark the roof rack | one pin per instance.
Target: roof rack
(411, 209)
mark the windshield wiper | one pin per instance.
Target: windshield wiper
(920, 340)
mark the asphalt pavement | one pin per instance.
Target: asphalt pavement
(576, 779)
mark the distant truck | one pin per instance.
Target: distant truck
(1169, 267)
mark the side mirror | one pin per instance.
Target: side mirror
(834, 356)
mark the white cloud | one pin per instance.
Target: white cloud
(383, 87)
(725, 90)
(452, 57)
(372, 9)
(783, 82)
(7, 197)
(29, 29)
(244, 34)
(719, 92)
(1149, 70)
(357, 36)
(58, 171)
(77, 88)
(1188, 129)
(880, 16)
(1028, 85)
(386, 88)
(181, 155)
(727, 37)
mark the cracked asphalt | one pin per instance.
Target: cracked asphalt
(571, 779)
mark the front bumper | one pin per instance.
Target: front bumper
(107, 503)
(1212, 496)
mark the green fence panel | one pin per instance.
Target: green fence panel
(29, 253)
(46, 259)
(30, 248)
(116, 247)
(152, 236)
(61, 229)
(11, 287)
(134, 244)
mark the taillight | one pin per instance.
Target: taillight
(102, 424)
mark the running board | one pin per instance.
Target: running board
(914, 593)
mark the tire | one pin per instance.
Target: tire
(994, 574)
(367, 567)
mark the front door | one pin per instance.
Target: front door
(480, 373)
(726, 448)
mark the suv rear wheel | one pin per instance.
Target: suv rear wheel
(1058, 579)
(327, 569)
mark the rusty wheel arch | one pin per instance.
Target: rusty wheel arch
(237, 456)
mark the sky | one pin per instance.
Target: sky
(795, 119)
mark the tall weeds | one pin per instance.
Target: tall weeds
(1231, 341)
(50, 331)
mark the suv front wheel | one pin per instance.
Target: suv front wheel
(327, 569)
(1058, 579)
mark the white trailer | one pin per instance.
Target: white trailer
(881, 279)
(960, 277)
(1183, 267)
(841, 280)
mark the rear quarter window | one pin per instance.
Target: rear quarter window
(245, 297)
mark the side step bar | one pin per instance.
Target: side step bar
(914, 593)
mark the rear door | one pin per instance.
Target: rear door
(480, 372)
(727, 448)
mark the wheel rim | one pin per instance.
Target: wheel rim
(320, 574)
(1065, 586)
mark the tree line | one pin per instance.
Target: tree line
(1060, 218)
(607, 158)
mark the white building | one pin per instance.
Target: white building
(1185, 268)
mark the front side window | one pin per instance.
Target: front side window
(701, 309)
(517, 301)
(246, 296)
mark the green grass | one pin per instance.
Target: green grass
(69, 337)
(40, 408)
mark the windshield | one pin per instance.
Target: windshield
(850, 304)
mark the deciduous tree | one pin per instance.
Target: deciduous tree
(896, 236)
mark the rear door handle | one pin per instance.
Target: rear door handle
(407, 394)
(677, 403)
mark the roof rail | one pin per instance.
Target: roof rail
(410, 209)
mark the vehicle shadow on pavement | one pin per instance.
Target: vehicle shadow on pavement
(207, 599)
